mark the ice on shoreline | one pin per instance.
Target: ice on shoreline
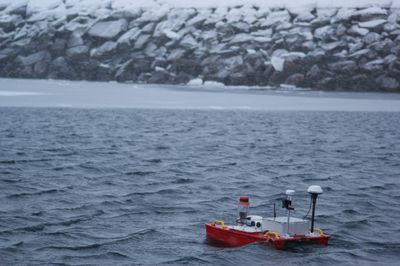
(82, 94)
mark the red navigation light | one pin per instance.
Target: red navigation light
(244, 200)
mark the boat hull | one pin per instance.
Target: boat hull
(231, 238)
(228, 237)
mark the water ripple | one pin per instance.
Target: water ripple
(135, 187)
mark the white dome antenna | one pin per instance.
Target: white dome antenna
(315, 190)
(289, 192)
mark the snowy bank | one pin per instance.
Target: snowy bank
(318, 44)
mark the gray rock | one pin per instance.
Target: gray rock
(285, 25)
(150, 49)
(188, 66)
(390, 59)
(208, 35)
(241, 38)
(384, 46)
(59, 68)
(357, 45)
(108, 29)
(331, 46)
(176, 54)
(6, 36)
(160, 53)
(361, 82)
(106, 49)
(159, 76)
(128, 14)
(278, 63)
(344, 14)
(40, 68)
(262, 39)
(59, 45)
(371, 38)
(303, 15)
(370, 13)
(372, 24)
(34, 58)
(25, 42)
(341, 30)
(18, 8)
(79, 24)
(326, 13)
(222, 50)
(393, 18)
(124, 72)
(238, 78)
(141, 41)
(373, 66)
(327, 83)
(149, 28)
(324, 32)
(6, 54)
(388, 27)
(295, 79)
(233, 61)
(196, 21)
(360, 53)
(167, 25)
(74, 40)
(129, 36)
(347, 66)
(20, 33)
(275, 18)
(9, 22)
(189, 42)
(388, 83)
(78, 52)
(314, 72)
(154, 15)
(356, 30)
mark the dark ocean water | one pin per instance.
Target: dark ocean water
(135, 187)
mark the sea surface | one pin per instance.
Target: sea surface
(93, 177)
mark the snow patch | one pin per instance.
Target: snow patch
(195, 82)
(21, 93)
(278, 63)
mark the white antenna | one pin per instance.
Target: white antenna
(314, 191)
(287, 203)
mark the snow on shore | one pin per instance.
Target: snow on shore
(92, 5)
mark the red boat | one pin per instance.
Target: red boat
(276, 232)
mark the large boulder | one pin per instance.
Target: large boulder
(105, 50)
(9, 22)
(371, 37)
(141, 41)
(60, 68)
(129, 36)
(75, 40)
(108, 29)
(345, 67)
(356, 30)
(79, 52)
(372, 24)
(276, 17)
(189, 42)
(388, 83)
(370, 13)
(295, 79)
(33, 58)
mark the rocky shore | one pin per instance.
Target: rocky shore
(323, 48)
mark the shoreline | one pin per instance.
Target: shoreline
(77, 94)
